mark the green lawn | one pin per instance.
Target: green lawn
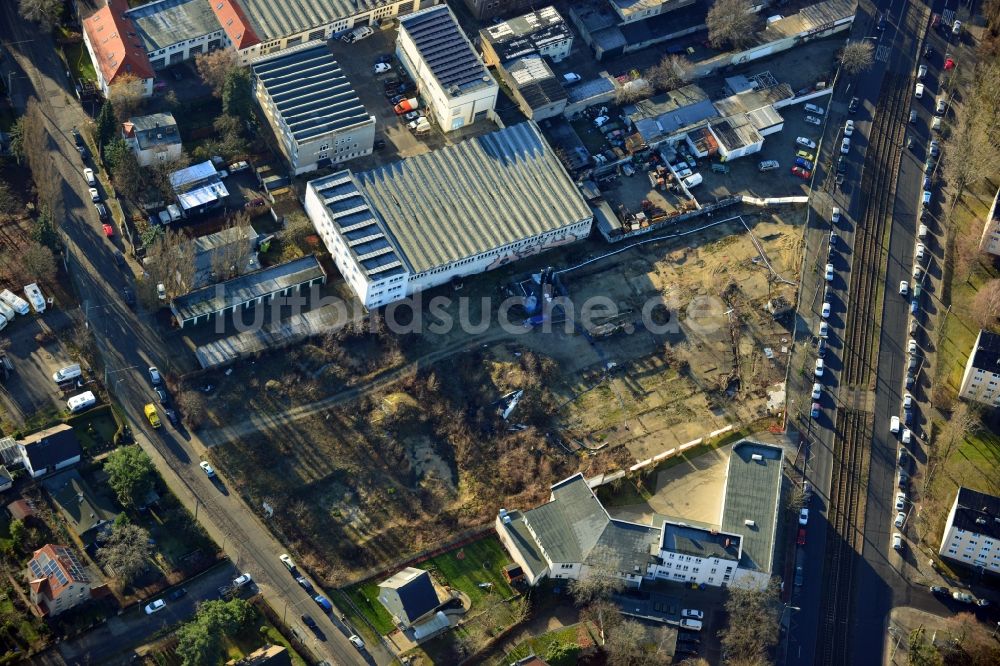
(539, 645)
(96, 429)
(79, 62)
(463, 569)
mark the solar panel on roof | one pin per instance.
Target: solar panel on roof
(443, 47)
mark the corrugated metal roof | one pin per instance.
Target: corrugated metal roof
(273, 19)
(310, 92)
(814, 17)
(445, 49)
(752, 490)
(193, 173)
(469, 198)
(161, 24)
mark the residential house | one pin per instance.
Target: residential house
(88, 514)
(972, 531)
(21, 509)
(115, 48)
(49, 450)
(153, 138)
(453, 82)
(573, 533)
(269, 655)
(981, 380)
(57, 580)
(409, 596)
(198, 188)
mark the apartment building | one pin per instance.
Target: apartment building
(981, 380)
(972, 533)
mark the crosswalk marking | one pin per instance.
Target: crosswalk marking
(882, 53)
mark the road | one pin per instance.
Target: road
(881, 577)
(127, 343)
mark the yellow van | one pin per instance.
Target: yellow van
(154, 418)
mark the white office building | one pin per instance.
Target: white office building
(454, 84)
(972, 533)
(981, 380)
(464, 209)
(313, 109)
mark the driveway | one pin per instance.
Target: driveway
(133, 627)
(30, 388)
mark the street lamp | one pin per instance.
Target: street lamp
(788, 631)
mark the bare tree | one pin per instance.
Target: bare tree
(35, 148)
(669, 73)
(192, 407)
(966, 419)
(39, 262)
(626, 645)
(170, 262)
(126, 552)
(214, 67)
(157, 176)
(986, 305)
(600, 578)
(632, 92)
(753, 623)
(732, 23)
(856, 57)
(43, 12)
(126, 96)
(231, 259)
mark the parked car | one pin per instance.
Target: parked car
(829, 273)
(571, 77)
(207, 468)
(812, 108)
(323, 603)
(849, 128)
(95, 196)
(304, 584)
(356, 641)
(382, 67)
(825, 313)
(177, 594)
(845, 145)
(801, 538)
(813, 120)
(900, 499)
(824, 329)
(241, 580)
(818, 371)
(918, 91)
(815, 411)
(900, 519)
(803, 516)
(940, 590)
(155, 607)
(904, 287)
(154, 375)
(913, 116)
(963, 597)
(768, 165)
(801, 173)
(897, 541)
(852, 106)
(921, 71)
(109, 231)
(817, 391)
(309, 622)
(804, 163)
(806, 155)
(802, 141)
(150, 411)
(88, 173)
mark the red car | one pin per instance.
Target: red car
(948, 63)
(109, 230)
(801, 539)
(801, 173)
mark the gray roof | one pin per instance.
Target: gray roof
(986, 355)
(753, 488)
(525, 543)
(670, 112)
(466, 199)
(247, 288)
(524, 35)
(702, 542)
(409, 594)
(86, 511)
(273, 19)
(445, 49)
(977, 512)
(589, 89)
(156, 129)
(310, 92)
(632, 544)
(160, 24)
(364, 232)
(233, 243)
(569, 526)
(535, 81)
(809, 18)
(49, 447)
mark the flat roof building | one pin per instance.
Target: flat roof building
(246, 291)
(467, 208)
(972, 533)
(981, 380)
(543, 32)
(198, 188)
(667, 116)
(454, 83)
(537, 91)
(172, 31)
(313, 109)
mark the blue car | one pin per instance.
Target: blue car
(804, 163)
(323, 602)
(914, 306)
(815, 410)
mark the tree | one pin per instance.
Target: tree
(34, 146)
(561, 653)
(127, 95)
(214, 68)
(124, 168)
(753, 628)
(731, 22)
(10, 203)
(192, 407)
(986, 305)
(106, 127)
(18, 533)
(920, 652)
(856, 57)
(126, 552)
(200, 640)
(43, 231)
(170, 261)
(669, 73)
(131, 475)
(231, 259)
(43, 12)
(600, 577)
(237, 96)
(39, 262)
(632, 92)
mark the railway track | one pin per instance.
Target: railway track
(853, 436)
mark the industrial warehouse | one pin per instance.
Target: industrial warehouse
(464, 209)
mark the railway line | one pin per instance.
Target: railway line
(854, 422)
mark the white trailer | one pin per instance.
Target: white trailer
(35, 297)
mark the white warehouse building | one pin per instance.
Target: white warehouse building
(454, 83)
(468, 208)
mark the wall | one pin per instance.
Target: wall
(339, 146)
(159, 154)
(514, 553)
(186, 50)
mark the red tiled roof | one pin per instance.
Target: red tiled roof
(235, 23)
(50, 585)
(116, 43)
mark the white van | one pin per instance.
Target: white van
(922, 231)
(78, 403)
(65, 374)
(691, 625)
(693, 180)
(19, 305)
(936, 124)
(894, 425)
(3, 322)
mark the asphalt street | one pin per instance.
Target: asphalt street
(128, 343)
(880, 575)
